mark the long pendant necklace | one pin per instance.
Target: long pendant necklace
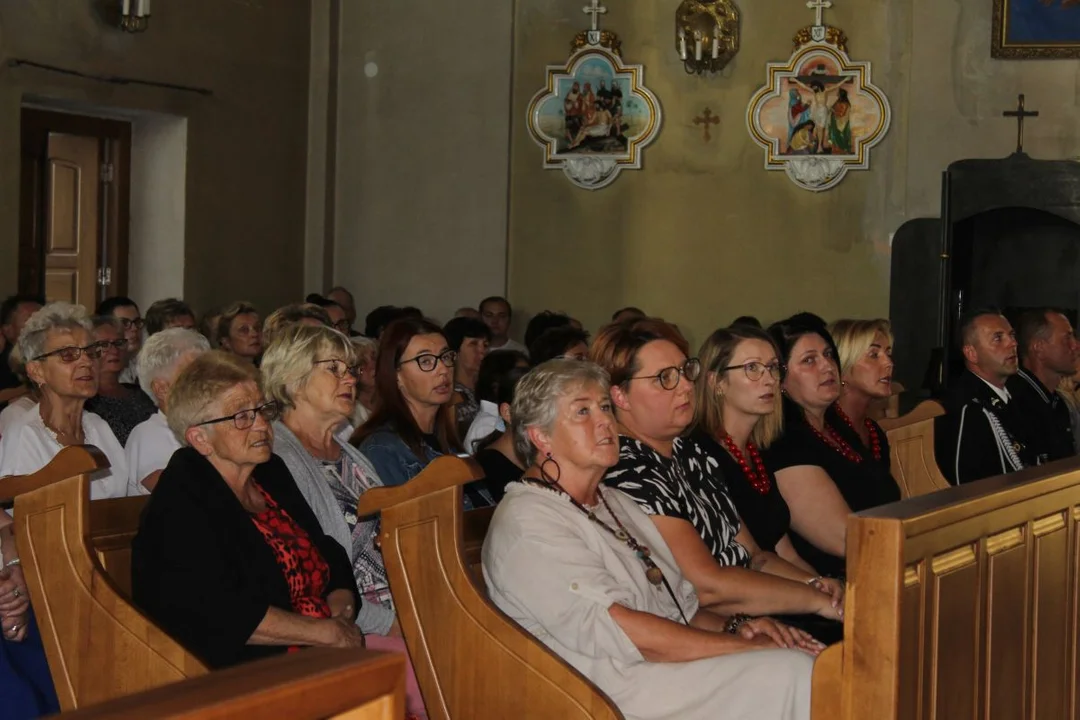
(652, 572)
(757, 475)
(875, 439)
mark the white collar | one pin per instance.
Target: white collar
(1000, 392)
(489, 408)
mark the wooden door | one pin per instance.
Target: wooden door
(72, 219)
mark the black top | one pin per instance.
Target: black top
(980, 435)
(202, 570)
(1046, 424)
(499, 470)
(123, 414)
(688, 486)
(766, 516)
(863, 485)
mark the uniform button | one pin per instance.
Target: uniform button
(573, 586)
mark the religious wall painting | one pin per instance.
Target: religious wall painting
(1034, 29)
(819, 114)
(595, 116)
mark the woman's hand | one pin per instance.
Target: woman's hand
(782, 635)
(14, 598)
(14, 626)
(832, 587)
(342, 605)
(343, 633)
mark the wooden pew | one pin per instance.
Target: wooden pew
(98, 645)
(962, 604)
(911, 450)
(470, 659)
(312, 685)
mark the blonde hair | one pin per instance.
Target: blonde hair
(198, 389)
(853, 339)
(289, 361)
(225, 320)
(716, 353)
(283, 317)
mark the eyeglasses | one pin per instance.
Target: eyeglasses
(342, 326)
(669, 376)
(338, 368)
(246, 418)
(428, 361)
(118, 344)
(71, 353)
(756, 370)
(137, 323)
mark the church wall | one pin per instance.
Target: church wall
(246, 145)
(703, 233)
(422, 148)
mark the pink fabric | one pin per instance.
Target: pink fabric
(414, 701)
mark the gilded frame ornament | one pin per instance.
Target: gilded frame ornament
(623, 117)
(1004, 47)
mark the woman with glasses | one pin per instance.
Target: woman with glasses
(311, 373)
(62, 362)
(678, 483)
(131, 323)
(414, 421)
(122, 405)
(229, 558)
(823, 472)
(366, 349)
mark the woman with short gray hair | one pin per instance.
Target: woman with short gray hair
(62, 362)
(163, 356)
(584, 570)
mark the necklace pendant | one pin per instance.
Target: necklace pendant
(654, 575)
(621, 535)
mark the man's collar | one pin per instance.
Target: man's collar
(1001, 393)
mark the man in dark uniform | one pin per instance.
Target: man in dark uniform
(978, 435)
(1048, 351)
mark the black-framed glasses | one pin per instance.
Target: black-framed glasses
(71, 353)
(428, 361)
(756, 370)
(244, 419)
(669, 376)
(118, 344)
(137, 323)
(338, 368)
(342, 326)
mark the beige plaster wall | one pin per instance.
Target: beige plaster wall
(246, 145)
(703, 233)
(422, 147)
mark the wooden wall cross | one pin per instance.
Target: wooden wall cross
(707, 119)
(1020, 113)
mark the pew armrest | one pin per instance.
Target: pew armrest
(442, 473)
(69, 462)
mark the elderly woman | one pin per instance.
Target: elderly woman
(239, 331)
(414, 421)
(122, 405)
(62, 363)
(254, 574)
(676, 481)
(310, 372)
(823, 471)
(583, 569)
(164, 355)
(366, 350)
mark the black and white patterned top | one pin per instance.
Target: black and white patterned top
(688, 486)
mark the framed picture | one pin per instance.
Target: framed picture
(1036, 29)
(594, 117)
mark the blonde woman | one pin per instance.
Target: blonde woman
(239, 331)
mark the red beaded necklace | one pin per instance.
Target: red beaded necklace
(871, 429)
(757, 475)
(838, 443)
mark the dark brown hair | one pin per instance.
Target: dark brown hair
(391, 408)
(616, 347)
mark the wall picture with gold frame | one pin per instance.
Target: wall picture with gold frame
(1036, 29)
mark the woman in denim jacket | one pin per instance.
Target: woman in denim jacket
(414, 421)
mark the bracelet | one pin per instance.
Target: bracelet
(735, 622)
(13, 563)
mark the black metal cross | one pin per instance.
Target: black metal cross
(1020, 113)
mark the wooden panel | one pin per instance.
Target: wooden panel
(310, 685)
(911, 450)
(61, 284)
(1008, 587)
(72, 213)
(1051, 587)
(955, 613)
(65, 188)
(912, 645)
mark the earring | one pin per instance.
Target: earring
(543, 473)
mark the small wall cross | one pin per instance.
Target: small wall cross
(1020, 113)
(596, 10)
(707, 119)
(818, 6)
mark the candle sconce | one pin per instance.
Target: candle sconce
(134, 15)
(706, 34)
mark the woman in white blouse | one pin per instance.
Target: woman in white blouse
(61, 361)
(582, 568)
(163, 356)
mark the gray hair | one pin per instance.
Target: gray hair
(54, 316)
(537, 396)
(365, 346)
(160, 353)
(290, 359)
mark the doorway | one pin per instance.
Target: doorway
(74, 206)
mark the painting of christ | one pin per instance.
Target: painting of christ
(1036, 29)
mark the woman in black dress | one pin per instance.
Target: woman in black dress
(495, 453)
(820, 471)
(866, 371)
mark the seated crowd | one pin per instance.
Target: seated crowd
(670, 523)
